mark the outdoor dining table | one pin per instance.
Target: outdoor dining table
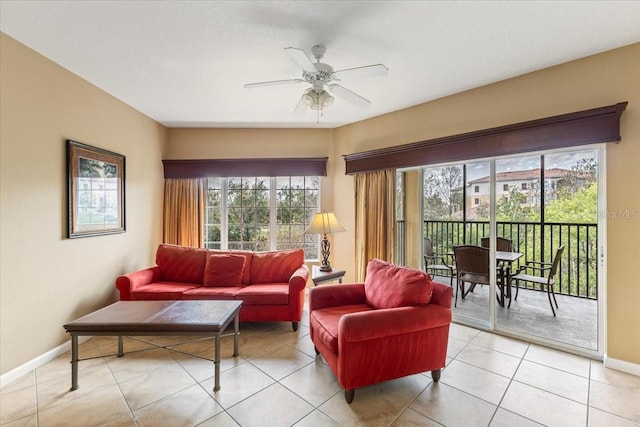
(508, 258)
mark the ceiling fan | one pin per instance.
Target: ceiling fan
(323, 80)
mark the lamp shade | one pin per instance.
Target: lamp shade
(324, 223)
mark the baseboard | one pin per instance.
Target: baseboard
(14, 374)
(621, 365)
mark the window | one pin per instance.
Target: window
(524, 185)
(476, 189)
(505, 187)
(262, 213)
(476, 201)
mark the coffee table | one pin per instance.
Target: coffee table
(157, 318)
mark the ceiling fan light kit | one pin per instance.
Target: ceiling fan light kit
(322, 77)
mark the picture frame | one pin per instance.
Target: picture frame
(95, 191)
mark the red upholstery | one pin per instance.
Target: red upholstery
(387, 285)
(223, 270)
(181, 263)
(267, 300)
(363, 345)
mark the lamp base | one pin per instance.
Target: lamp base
(326, 268)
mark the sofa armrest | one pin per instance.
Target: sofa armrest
(369, 325)
(128, 282)
(298, 280)
(441, 294)
(336, 295)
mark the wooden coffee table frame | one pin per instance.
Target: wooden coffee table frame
(157, 318)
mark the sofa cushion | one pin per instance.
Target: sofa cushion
(160, 291)
(264, 294)
(275, 266)
(388, 286)
(181, 263)
(326, 321)
(222, 292)
(223, 270)
(248, 257)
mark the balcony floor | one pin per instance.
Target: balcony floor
(576, 321)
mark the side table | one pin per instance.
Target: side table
(325, 276)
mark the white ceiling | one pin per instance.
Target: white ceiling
(184, 63)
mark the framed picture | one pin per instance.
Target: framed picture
(95, 190)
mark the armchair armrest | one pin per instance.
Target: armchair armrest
(336, 295)
(127, 282)
(369, 325)
(441, 294)
(298, 280)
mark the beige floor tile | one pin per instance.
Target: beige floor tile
(412, 418)
(203, 369)
(305, 345)
(615, 378)
(122, 421)
(18, 404)
(559, 360)
(30, 421)
(502, 344)
(543, 407)
(378, 404)
(315, 383)
(238, 384)
(154, 384)
(57, 391)
(99, 407)
(598, 418)
(221, 420)
(455, 346)
(185, 408)
(282, 361)
(317, 419)
(491, 360)
(554, 381)
(469, 411)
(615, 400)
(476, 381)
(504, 418)
(462, 333)
(25, 381)
(273, 406)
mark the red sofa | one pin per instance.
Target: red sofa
(394, 324)
(270, 284)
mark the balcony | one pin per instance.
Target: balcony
(576, 285)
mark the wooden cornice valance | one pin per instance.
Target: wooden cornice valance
(203, 168)
(580, 128)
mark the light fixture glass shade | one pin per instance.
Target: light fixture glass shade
(317, 100)
(324, 223)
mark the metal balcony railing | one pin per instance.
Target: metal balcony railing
(578, 272)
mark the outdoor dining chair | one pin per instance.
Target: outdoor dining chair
(437, 263)
(545, 278)
(502, 244)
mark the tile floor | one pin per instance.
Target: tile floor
(278, 381)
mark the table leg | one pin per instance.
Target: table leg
(120, 346)
(216, 363)
(236, 329)
(74, 362)
(508, 284)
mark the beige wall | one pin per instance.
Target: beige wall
(591, 82)
(45, 278)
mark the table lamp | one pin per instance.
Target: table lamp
(324, 223)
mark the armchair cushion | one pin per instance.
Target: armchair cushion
(389, 286)
(224, 270)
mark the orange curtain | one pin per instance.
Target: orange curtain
(184, 204)
(375, 232)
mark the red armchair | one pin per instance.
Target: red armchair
(393, 325)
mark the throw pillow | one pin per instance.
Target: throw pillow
(388, 286)
(224, 270)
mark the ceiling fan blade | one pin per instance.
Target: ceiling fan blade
(350, 96)
(301, 58)
(376, 70)
(273, 83)
(300, 106)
